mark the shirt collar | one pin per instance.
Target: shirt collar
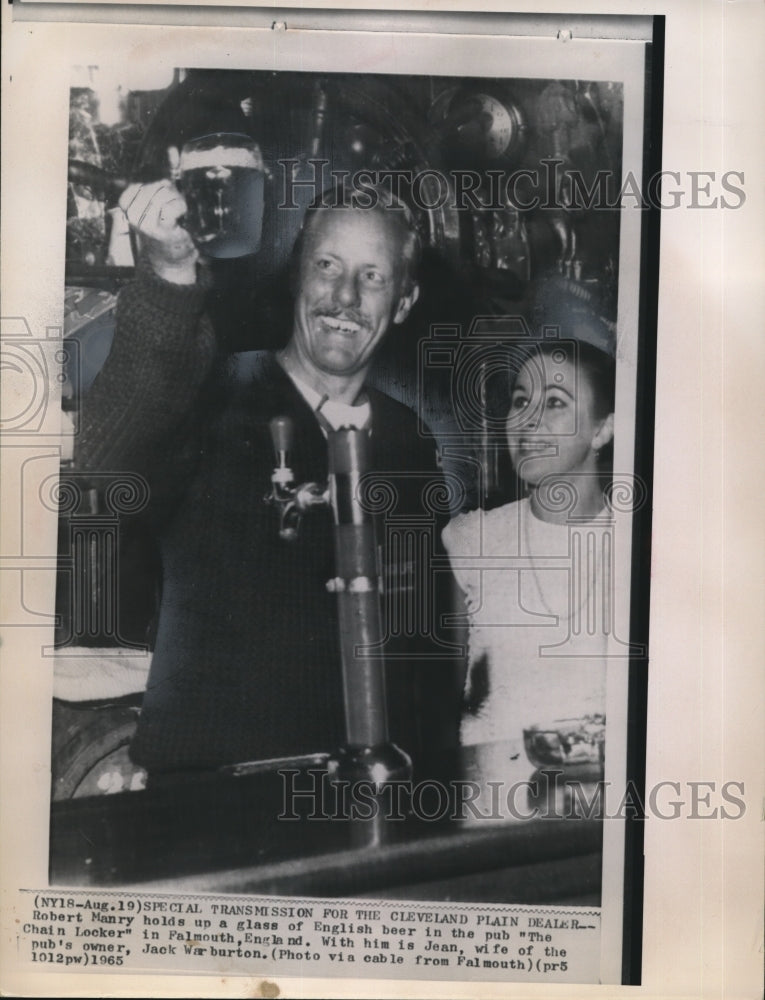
(331, 411)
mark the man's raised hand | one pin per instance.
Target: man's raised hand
(153, 211)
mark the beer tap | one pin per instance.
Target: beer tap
(367, 755)
(291, 500)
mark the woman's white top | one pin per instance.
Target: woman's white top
(539, 602)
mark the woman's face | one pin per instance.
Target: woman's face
(552, 427)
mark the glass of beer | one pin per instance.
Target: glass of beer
(221, 178)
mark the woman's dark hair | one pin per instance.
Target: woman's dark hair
(599, 367)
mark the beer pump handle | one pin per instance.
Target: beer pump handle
(282, 436)
(368, 756)
(281, 433)
(357, 588)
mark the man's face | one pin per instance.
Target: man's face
(349, 289)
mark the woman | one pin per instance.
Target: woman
(536, 573)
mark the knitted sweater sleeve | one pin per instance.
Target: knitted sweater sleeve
(139, 415)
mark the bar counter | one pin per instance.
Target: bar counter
(274, 829)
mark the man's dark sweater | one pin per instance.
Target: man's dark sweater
(247, 663)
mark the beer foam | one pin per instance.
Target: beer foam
(221, 156)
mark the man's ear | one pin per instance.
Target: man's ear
(405, 304)
(604, 434)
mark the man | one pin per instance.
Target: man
(246, 663)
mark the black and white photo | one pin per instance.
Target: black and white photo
(340, 565)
